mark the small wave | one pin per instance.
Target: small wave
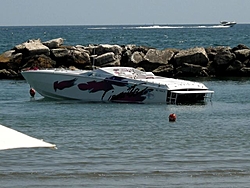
(81, 174)
(100, 28)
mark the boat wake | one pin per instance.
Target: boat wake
(180, 27)
(161, 27)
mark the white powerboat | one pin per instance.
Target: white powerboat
(114, 84)
(226, 23)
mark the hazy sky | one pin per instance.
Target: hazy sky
(120, 12)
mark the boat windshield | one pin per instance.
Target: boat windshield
(128, 72)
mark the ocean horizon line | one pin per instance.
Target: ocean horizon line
(152, 24)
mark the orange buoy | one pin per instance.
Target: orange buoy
(172, 117)
(32, 92)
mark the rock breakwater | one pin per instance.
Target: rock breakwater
(194, 62)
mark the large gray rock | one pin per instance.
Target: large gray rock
(164, 70)
(54, 43)
(60, 52)
(242, 54)
(105, 48)
(32, 47)
(104, 59)
(192, 70)
(71, 56)
(234, 68)
(240, 47)
(137, 57)
(80, 56)
(196, 56)
(6, 58)
(7, 74)
(10, 60)
(224, 57)
(159, 56)
(39, 61)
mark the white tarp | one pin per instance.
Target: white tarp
(10, 139)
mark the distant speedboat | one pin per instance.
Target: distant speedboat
(114, 84)
(226, 23)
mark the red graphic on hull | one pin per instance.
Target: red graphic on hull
(94, 86)
(105, 85)
(64, 84)
(132, 94)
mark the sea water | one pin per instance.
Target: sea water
(180, 37)
(129, 145)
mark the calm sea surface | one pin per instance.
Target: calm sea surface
(160, 37)
(129, 145)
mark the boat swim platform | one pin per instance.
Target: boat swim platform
(174, 95)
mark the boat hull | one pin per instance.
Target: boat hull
(228, 24)
(90, 88)
(114, 84)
